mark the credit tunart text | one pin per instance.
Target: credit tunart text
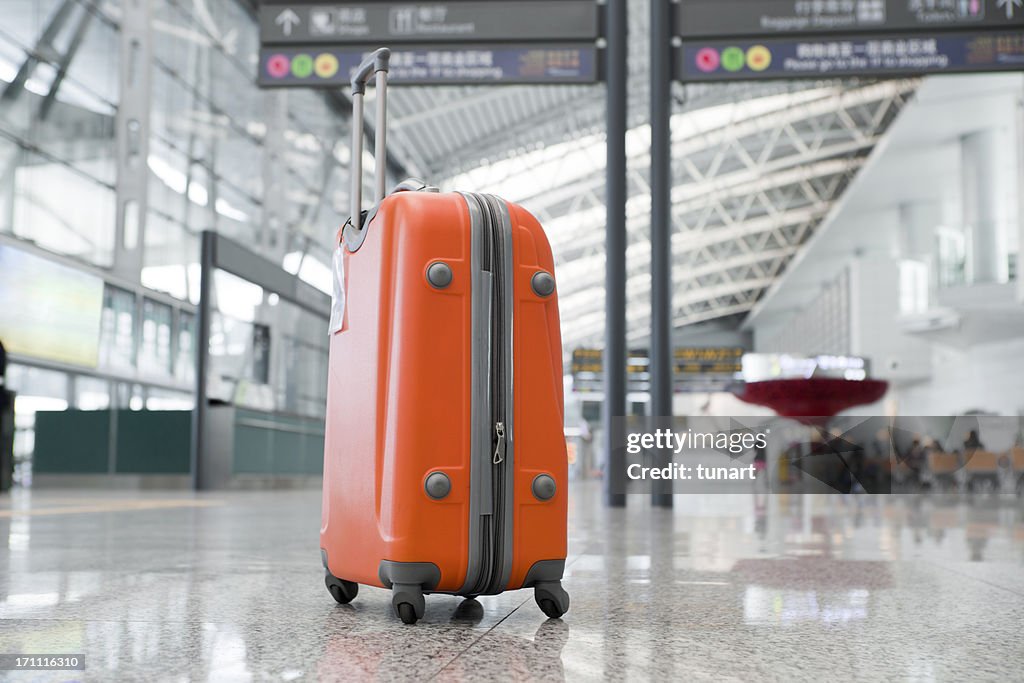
(687, 472)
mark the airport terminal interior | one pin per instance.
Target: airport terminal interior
(845, 267)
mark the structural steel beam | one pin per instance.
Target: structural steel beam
(615, 249)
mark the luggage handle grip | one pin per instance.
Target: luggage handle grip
(378, 60)
(377, 63)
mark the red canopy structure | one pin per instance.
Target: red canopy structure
(812, 397)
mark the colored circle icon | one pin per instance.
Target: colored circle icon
(326, 65)
(733, 59)
(759, 58)
(302, 66)
(278, 66)
(708, 59)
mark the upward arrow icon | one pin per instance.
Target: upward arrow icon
(288, 19)
(1010, 6)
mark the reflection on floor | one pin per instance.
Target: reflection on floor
(164, 586)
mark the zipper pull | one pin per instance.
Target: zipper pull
(499, 448)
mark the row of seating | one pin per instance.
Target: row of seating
(969, 470)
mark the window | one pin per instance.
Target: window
(185, 356)
(117, 329)
(913, 287)
(155, 349)
(79, 220)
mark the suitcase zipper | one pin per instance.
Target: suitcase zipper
(499, 448)
(492, 536)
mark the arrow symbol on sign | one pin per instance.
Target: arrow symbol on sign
(288, 19)
(1010, 6)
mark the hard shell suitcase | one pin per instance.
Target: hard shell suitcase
(444, 458)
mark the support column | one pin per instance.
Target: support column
(273, 232)
(615, 250)
(273, 237)
(917, 237)
(662, 387)
(917, 230)
(1018, 185)
(204, 326)
(135, 68)
(983, 205)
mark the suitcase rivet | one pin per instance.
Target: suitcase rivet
(543, 284)
(544, 487)
(439, 275)
(438, 485)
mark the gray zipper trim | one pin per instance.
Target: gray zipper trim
(481, 465)
(480, 411)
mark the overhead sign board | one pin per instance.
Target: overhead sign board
(695, 369)
(332, 66)
(391, 23)
(721, 18)
(458, 42)
(908, 54)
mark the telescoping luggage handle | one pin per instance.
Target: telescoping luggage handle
(375, 64)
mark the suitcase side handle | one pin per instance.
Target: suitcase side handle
(378, 64)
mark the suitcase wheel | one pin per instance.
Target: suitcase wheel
(342, 591)
(407, 613)
(407, 599)
(551, 598)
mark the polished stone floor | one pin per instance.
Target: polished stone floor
(159, 586)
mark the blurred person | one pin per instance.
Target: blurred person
(980, 476)
(6, 426)
(3, 378)
(915, 461)
(878, 464)
(761, 520)
(760, 458)
(942, 478)
(972, 442)
(760, 467)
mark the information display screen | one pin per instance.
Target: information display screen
(332, 66)
(866, 55)
(47, 310)
(704, 19)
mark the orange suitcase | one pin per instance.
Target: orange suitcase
(444, 458)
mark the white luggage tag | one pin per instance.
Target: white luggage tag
(338, 294)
